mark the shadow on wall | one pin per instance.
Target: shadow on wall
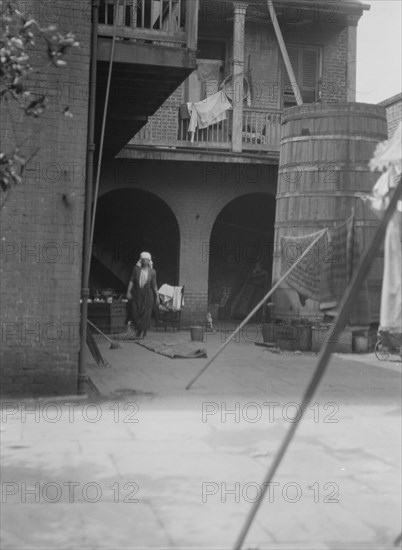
(241, 255)
(129, 221)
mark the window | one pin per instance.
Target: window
(305, 61)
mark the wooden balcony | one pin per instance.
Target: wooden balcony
(165, 22)
(260, 133)
(154, 53)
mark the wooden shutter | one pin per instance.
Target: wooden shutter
(288, 96)
(308, 74)
(305, 63)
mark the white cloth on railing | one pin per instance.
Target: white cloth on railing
(178, 301)
(171, 297)
(207, 112)
(166, 292)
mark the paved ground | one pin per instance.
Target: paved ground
(147, 464)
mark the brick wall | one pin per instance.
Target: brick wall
(393, 106)
(334, 63)
(264, 68)
(394, 117)
(42, 220)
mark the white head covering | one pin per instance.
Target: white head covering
(145, 256)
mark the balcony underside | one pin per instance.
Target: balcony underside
(192, 154)
(143, 77)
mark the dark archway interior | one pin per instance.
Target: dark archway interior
(241, 256)
(129, 221)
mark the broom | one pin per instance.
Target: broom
(113, 345)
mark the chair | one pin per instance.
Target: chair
(169, 310)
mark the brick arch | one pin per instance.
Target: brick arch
(241, 241)
(124, 226)
(218, 206)
(196, 193)
(138, 186)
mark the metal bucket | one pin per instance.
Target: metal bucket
(197, 334)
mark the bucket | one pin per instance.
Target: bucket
(197, 334)
(268, 333)
(360, 344)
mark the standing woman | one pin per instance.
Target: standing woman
(143, 292)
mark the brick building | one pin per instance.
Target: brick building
(393, 107)
(42, 220)
(205, 209)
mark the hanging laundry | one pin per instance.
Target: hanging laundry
(171, 296)
(391, 293)
(208, 69)
(379, 199)
(177, 300)
(208, 112)
(305, 277)
(389, 155)
(184, 113)
(166, 293)
(337, 273)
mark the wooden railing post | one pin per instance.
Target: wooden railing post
(192, 23)
(240, 9)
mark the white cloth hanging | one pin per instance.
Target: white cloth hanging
(391, 293)
(388, 155)
(207, 112)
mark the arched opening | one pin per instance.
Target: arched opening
(241, 256)
(129, 221)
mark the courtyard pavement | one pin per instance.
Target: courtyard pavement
(142, 463)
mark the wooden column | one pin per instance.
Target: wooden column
(352, 50)
(240, 9)
(191, 23)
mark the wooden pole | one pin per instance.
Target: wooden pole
(238, 74)
(86, 258)
(323, 359)
(102, 135)
(284, 52)
(257, 307)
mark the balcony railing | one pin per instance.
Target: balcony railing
(167, 22)
(261, 131)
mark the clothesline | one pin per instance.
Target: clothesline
(325, 272)
(254, 311)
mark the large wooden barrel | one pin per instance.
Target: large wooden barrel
(324, 155)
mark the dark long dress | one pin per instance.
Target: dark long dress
(144, 299)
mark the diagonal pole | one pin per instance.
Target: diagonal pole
(257, 307)
(284, 53)
(323, 359)
(102, 135)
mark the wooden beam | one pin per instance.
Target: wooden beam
(238, 74)
(133, 152)
(146, 54)
(125, 116)
(192, 23)
(144, 34)
(284, 52)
